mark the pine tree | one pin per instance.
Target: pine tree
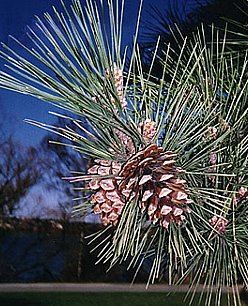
(169, 171)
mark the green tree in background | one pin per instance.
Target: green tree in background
(180, 20)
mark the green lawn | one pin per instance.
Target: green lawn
(93, 299)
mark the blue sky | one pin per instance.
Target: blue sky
(14, 107)
(14, 18)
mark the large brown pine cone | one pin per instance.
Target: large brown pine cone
(150, 177)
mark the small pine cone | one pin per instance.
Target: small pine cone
(151, 177)
(243, 193)
(126, 141)
(218, 223)
(212, 132)
(147, 129)
(118, 80)
(213, 158)
(106, 198)
(212, 161)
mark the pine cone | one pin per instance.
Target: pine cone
(148, 129)
(151, 177)
(118, 80)
(218, 223)
(127, 143)
(107, 200)
(243, 192)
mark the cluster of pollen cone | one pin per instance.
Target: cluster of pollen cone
(148, 178)
(118, 81)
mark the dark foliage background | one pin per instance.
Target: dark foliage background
(53, 251)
